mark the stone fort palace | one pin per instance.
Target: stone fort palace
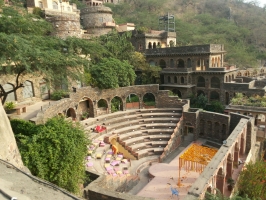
(148, 136)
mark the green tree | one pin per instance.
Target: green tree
(112, 73)
(198, 101)
(215, 106)
(252, 180)
(56, 153)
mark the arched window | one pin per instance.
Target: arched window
(150, 45)
(189, 64)
(140, 47)
(152, 63)
(55, 5)
(215, 82)
(162, 63)
(27, 89)
(172, 64)
(175, 79)
(201, 82)
(198, 63)
(169, 79)
(154, 45)
(182, 80)
(226, 79)
(180, 63)
(214, 96)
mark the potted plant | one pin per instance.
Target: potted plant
(9, 106)
(230, 184)
(85, 115)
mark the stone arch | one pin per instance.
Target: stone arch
(189, 63)
(227, 100)
(116, 104)
(162, 63)
(214, 96)
(175, 79)
(229, 166)
(158, 44)
(172, 63)
(180, 63)
(28, 90)
(215, 82)
(152, 63)
(242, 144)
(199, 92)
(230, 78)
(239, 74)
(102, 103)
(168, 79)
(226, 79)
(236, 155)
(177, 92)
(154, 45)
(132, 101)
(182, 79)
(201, 81)
(71, 113)
(150, 45)
(220, 180)
(11, 96)
(86, 107)
(149, 100)
(140, 46)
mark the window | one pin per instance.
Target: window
(201, 82)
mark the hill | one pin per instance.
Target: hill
(239, 26)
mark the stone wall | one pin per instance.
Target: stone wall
(174, 142)
(9, 150)
(93, 95)
(112, 188)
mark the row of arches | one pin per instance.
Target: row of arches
(229, 78)
(216, 62)
(177, 79)
(212, 130)
(215, 82)
(93, 108)
(251, 72)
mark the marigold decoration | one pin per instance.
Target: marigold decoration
(195, 158)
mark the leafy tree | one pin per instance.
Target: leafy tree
(215, 106)
(220, 196)
(25, 48)
(56, 152)
(112, 73)
(198, 101)
(252, 180)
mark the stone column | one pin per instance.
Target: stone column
(236, 157)
(229, 168)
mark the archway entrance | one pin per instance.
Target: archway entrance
(116, 104)
(149, 101)
(132, 102)
(102, 107)
(85, 108)
(71, 113)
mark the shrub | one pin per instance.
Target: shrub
(57, 95)
(9, 105)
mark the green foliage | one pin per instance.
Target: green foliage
(56, 153)
(256, 101)
(215, 106)
(57, 95)
(170, 93)
(115, 104)
(9, 105)
(252, 181)
(22, 127)
(132, 98)
(112, 73)
(220, 196)
(198, 101)
(39, 12)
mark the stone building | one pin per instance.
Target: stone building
(64, 17)
(97, 20)
(200, 69)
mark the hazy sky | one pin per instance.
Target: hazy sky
(262, 2)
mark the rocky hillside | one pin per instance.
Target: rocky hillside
(240, 26)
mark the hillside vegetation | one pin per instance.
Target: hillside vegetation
(239, 26)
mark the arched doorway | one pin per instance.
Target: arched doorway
(201, 82)
(162, 64)
(11, 96)
(102, 107)
(180, 63)
(27, 91)
(149, 100)
(132, 102)
(220, 179)
(44, 91)
(177, 92)
(116, 104)
(85, 108)
(71, 113)
(229, 166)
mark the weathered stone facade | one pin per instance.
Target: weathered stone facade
(97, 20)
(199, 70)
